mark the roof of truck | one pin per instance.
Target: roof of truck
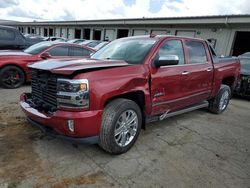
(158, 37)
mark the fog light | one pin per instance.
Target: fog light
(71, 126)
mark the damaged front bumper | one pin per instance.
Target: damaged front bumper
(86, 124)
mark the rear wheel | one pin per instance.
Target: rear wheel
(121, 125)
(220, 102)
(11, 77)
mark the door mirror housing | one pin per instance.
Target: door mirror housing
(45, 55)
(166, 60)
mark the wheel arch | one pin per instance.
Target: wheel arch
(137, 96)
(229, 81)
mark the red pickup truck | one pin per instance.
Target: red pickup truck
(108, 98)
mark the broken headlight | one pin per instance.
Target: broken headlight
(73, 93)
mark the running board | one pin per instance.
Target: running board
(175, 113)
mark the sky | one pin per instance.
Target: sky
(61, 10)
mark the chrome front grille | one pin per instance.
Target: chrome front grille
(43, 88)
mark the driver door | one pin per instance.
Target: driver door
(169, 90)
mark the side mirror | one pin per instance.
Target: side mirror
(166, 60)
(45, 55)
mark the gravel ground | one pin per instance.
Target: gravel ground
(197, 149)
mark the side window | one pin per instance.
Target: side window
(6, 34)
(172, 47)
(77, 51)
(59, 51)
(197, 53)
(86, 52)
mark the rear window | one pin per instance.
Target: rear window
(197, 53)
(59, 51)
(6, 34)
(77, 51)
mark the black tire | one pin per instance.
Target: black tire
(11, 77)
(111, 118)
(214, 104)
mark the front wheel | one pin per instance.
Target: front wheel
(121, 125)
(221, 101)
(11, 77)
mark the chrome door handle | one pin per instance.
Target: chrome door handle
(209, 69)
(185, 73)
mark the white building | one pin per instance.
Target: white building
(230, 34)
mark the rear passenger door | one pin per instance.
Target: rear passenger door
(199, 72)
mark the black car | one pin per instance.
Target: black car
(243, 87)
(12, 39)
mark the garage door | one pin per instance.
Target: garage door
(241, 44)
(57, 32)
(71, 33)
(159, 32)
(109, 34)
(185, 33)
(64, 33)
(139, 32)
(37, 30)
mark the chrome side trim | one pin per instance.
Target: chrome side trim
(179, 99)
(189, 109)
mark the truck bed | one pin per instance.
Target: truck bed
(225, 67)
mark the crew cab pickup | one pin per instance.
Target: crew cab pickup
(132, 81)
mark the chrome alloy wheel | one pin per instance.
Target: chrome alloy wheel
(126, 128)
(224, 100)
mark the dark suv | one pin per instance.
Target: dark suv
(12, 39)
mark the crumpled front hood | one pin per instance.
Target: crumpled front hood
(68, 67)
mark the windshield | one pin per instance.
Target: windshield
(245, 64)
(37, 48)
(133, 51)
